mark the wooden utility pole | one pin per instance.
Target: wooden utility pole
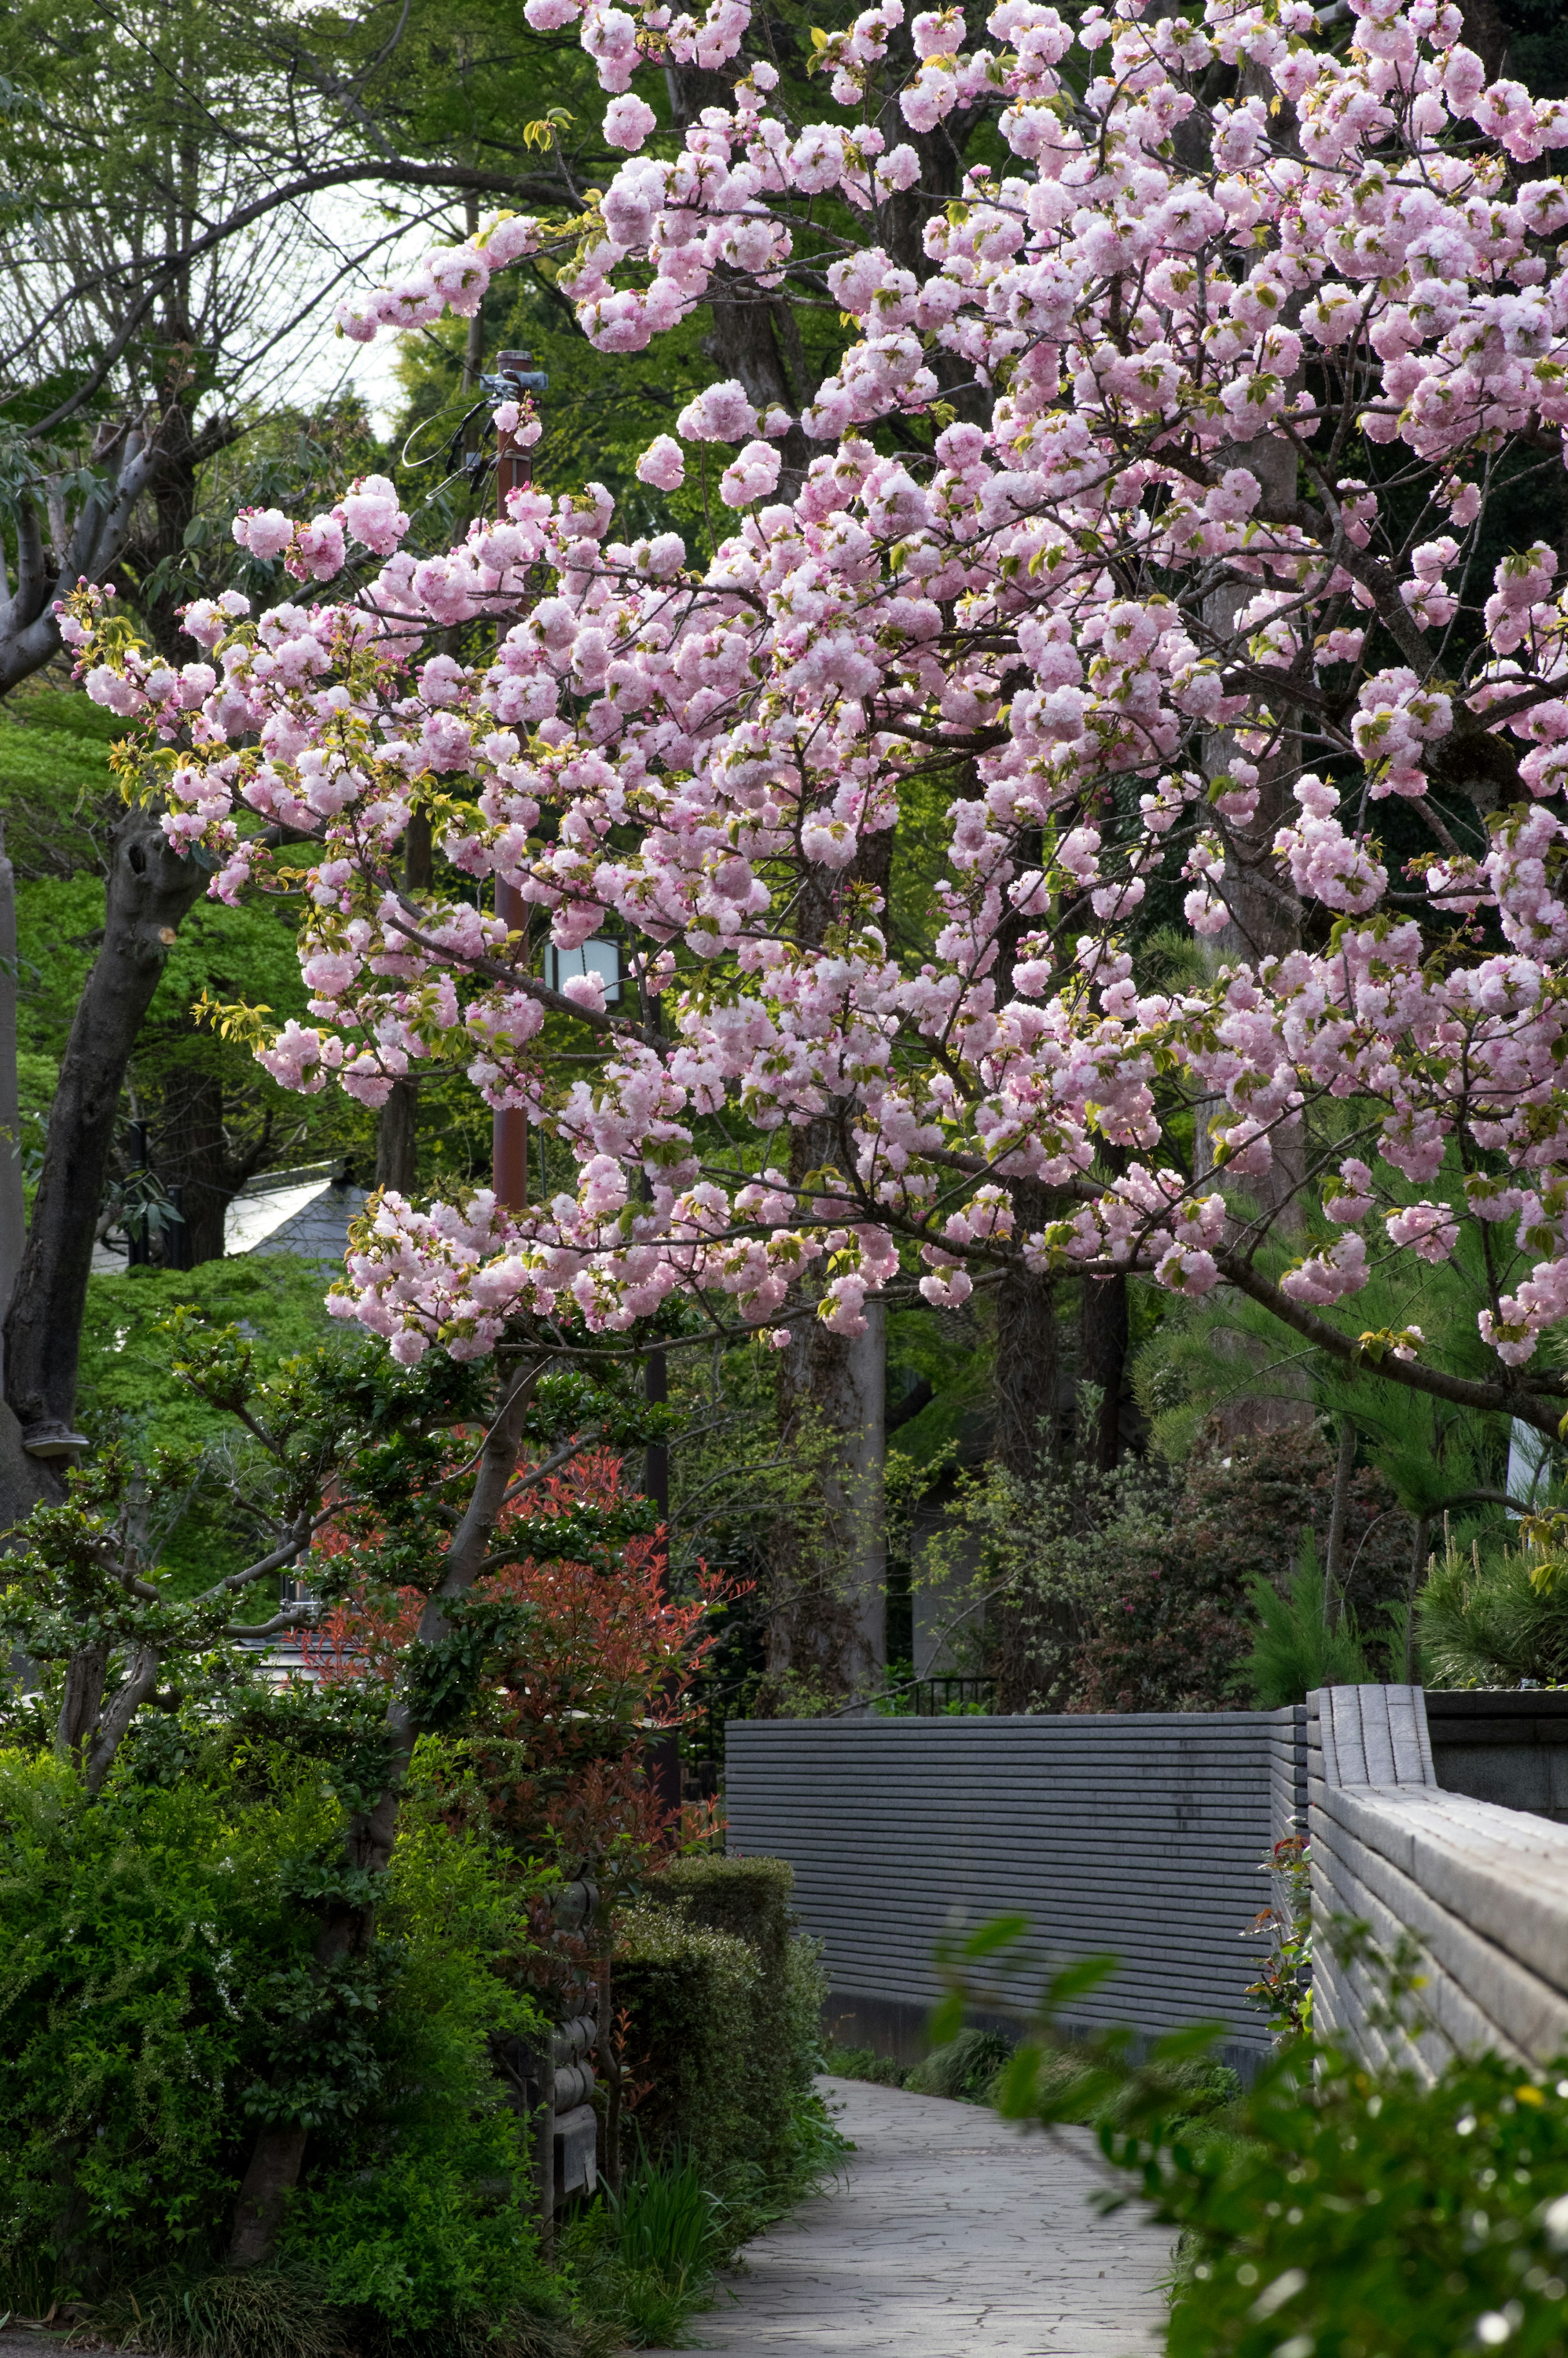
(510, 1129)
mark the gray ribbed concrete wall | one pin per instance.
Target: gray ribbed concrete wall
(1140, 1834)
(1480, 1889)
(1510, 1748)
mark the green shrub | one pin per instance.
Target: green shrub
(438, 2232)
(755, 2123)
(690, 1994)
(865, 2063)
(964, 2067)
(1484, 1623)
(749, 1900)
(1374, 2212)
(157, 1997)
(139, 1939)
(1293, 1648)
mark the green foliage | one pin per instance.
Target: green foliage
(1283, 1990)
(128, 1387)
(963, 2068)
(725, 2001)
(158, 1994)
(748, 1900)
(59, 800)
(864, 2063)
(262, 2312)
(724, 2004)
(1486, 1622)
(666, 2222)
(411, 2237)
(690, 1992)
(1351, 2210)
(138, 1937)
(59, 760)
(1328, 2209)
(1129, 1591)
(1295, 1648)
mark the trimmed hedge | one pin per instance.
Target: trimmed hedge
(724, 1997)
(690, 1994)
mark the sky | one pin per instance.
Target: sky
(311, 360)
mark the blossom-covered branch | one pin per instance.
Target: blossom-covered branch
(1165, 585)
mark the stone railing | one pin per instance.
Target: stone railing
(1480, 1889)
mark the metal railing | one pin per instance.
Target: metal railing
(946, 1692)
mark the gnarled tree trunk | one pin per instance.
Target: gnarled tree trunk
(150, 889)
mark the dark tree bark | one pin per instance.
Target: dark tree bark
(398, 1125)
(30, 629)
(154, 549)
(85, 1674)
(150, 889)
(1334, 1572)
(829, 1620)
(271, 2175)
(1487, 34)
(1022, 1636)
(1102, 1361)
(397, 1139)
(193, 1147)
(346, 1928)
(1027, 1377)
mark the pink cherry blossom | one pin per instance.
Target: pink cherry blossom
(1112, 632)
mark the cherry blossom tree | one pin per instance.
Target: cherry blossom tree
(1141, 530)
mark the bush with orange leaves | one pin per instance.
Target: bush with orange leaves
(596, 1666)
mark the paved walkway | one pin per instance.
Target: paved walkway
(951, 2235)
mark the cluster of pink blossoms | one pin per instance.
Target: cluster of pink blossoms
(1081, 611)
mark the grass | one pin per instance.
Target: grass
(666, 2220)
(965, 2069)
(281, 2311)
(643, 2262)
(970, 2068)
(263, 2312)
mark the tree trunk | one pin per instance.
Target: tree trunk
(347, 1930)
(1417, 1581)
(85, 1674)
(150, 889)
(1265, 908)
(13, 1213)
(29, 627)
(1338, 1520)
(193, 1149)
(1027, 1379)
(834, 1627)
(752, 330)
(831, 1625)
(397, 1124)
(1265, 922)
(1102, 1361)
(276, 2162)
(397, 1139)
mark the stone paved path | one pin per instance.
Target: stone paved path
(950, 2236)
